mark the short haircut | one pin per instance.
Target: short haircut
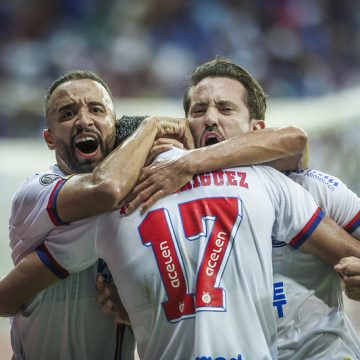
(73, 75)
(255, 97)
(126, 126)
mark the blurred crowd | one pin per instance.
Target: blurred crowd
(144, 48)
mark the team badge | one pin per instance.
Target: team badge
(206, 298)
(48, 179)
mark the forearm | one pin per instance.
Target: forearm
(90, 194)
(331, 243)
(23, 282)
(255, 147)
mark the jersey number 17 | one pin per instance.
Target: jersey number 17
(157, 231)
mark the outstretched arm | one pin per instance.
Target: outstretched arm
(24, 281)
(260, 146)
(86, 195)
(331, 243)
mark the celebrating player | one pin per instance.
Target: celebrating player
(81, 129)
(211, 105)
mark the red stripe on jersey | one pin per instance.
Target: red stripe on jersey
(353, 224)
(51, 206)
(49, 261)
(307, 230)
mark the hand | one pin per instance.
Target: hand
(108, 298)
(176, 128)
(162, 145)
(349, 270)
(158, 180)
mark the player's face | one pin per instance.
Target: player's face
(81, 125)
(217, 111)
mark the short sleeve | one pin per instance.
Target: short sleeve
(33, 213)
(72, 248)
(297, 214)
(334, 197)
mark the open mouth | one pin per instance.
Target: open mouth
(87, 145)
(211, 141)
(210, 138)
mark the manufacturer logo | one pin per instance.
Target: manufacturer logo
(48, 179)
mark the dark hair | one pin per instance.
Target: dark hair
(255, 97)
(125, 126)
(73, 75)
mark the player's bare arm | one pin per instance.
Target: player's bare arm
(89, 194)
(24, 281)
(163, 178)
(349, 270)
(331, 243)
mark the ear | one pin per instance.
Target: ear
(48, 137)
(257, 124)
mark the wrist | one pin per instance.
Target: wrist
(189, 162)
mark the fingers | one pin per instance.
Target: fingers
(156, 150)
(152, 200)
(353, 280)
(353, 292)
(348, 266)
(143, 197)
(99, 282)
(169, 141)
(103, 295)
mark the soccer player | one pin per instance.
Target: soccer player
(80, 117)
(211, 103)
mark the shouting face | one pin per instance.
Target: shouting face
(218, 111)
(81, 121)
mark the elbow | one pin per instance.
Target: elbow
(110, 194)
(297, 140)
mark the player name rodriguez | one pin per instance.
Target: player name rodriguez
(218, 178)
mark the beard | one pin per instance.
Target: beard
(85, 165)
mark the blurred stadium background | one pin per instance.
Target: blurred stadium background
(305, 54)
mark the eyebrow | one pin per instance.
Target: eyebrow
(226, 102)
(65, 107)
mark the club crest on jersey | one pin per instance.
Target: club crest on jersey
(206, 298)
(48, 179)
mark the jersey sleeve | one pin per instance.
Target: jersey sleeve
(334, 197)
(297, 214)
(34, 213)
(71, 248)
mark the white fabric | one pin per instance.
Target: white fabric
(256, 203)
(305, 333)
(63, 321)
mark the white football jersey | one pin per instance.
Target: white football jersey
(326, 333)
(56, 323)
(195, 271)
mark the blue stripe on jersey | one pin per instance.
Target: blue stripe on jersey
(51, 206)
(307, 230)
(48, 260)
(353, 224)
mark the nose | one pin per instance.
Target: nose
(211, 118)
(84, 119)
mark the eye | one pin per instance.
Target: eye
(226, 109)
(66, 115)
(96, 109)
(197, 112)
